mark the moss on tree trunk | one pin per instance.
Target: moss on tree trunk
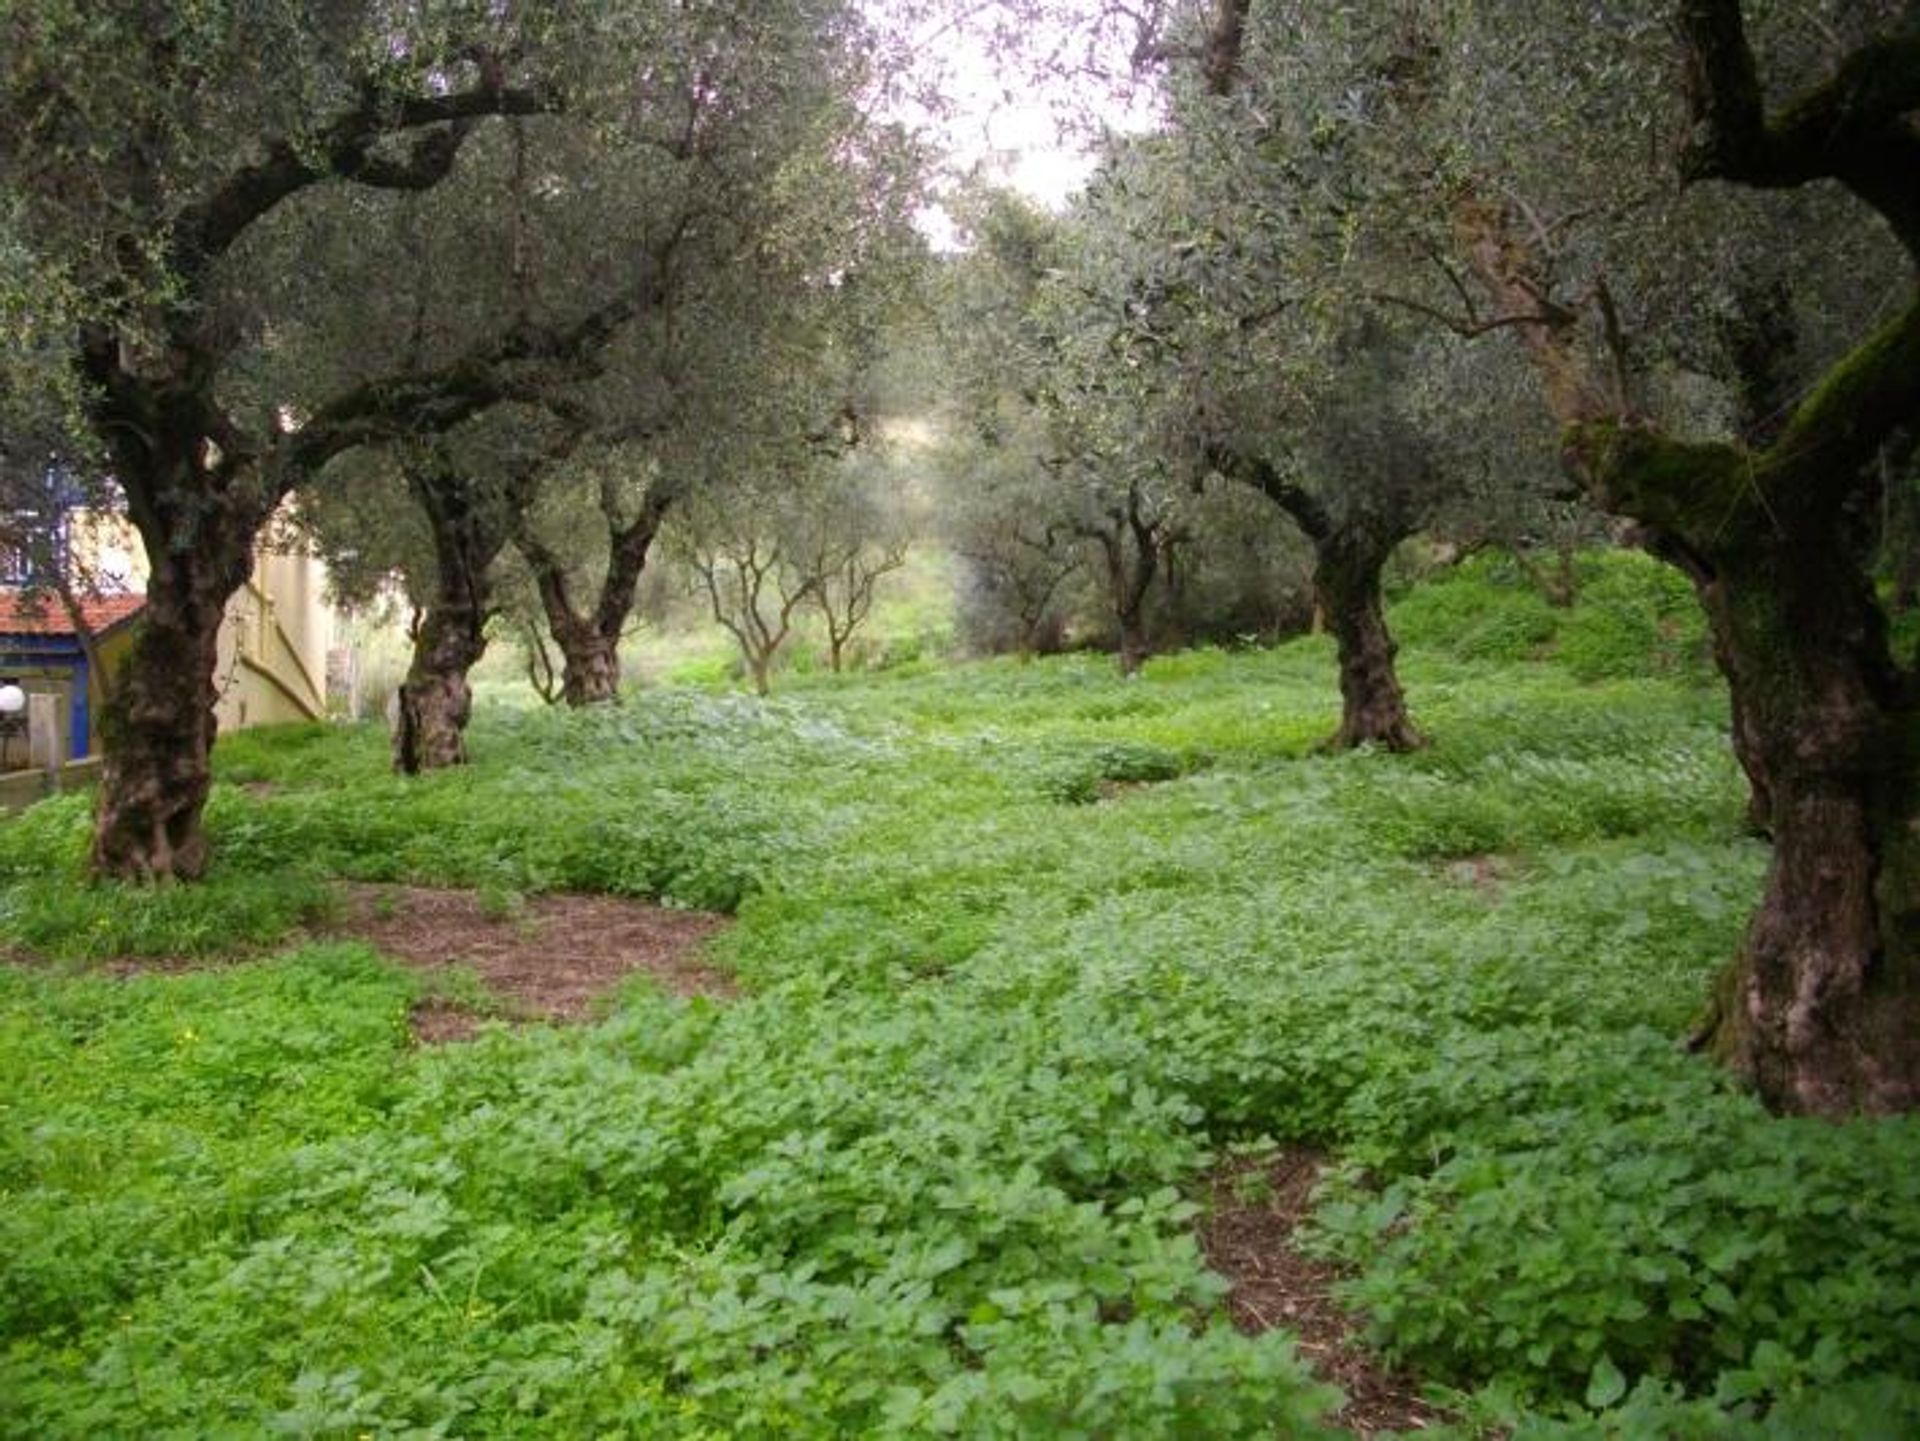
(1820, 1010)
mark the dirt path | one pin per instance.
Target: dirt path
(1247, 1234)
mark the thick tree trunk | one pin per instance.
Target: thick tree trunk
(589, 641)
(590, 669)
(1821, 1008)
(159, 723)
(468, 534)
(435, 699)
(1346, 587)
(1711, 592)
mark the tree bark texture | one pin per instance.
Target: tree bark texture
(1346, 588)
(590, 670)
(1349, 554)
(1821, 1009)
(589, 639)
(159, 722)
(435, 699)
(469, 524)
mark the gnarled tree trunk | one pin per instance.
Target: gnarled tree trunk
(159, 721)
(589, 639)
(1821, 1008)
(469, 524)
(590, 673)
(435, 700)
(1346, 588)
(1349, 553)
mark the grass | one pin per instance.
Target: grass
(1023, 947)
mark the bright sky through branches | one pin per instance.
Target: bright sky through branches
(1018, 95)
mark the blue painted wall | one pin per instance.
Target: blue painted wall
(53, 652)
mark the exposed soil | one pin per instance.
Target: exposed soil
(1485, 874)
(437, 1021)
(1254, 1207)
(539, 958)
(544, 957)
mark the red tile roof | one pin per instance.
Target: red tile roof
(43, 614)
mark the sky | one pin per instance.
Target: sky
(1001, 116)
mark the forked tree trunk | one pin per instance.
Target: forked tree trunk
(589, 639)
(159, 722)
(1346, 587)
(1821, 1008)
(760, 671)
(435, 699)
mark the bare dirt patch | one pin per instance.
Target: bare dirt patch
(1486, 874)
(1247, 1234)
(544, 957)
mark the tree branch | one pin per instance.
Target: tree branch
(207, 230)
(1839, 428)
(1305, 507)
(439, 399)
(1470, 326)
(1854, 127)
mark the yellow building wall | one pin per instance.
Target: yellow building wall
(278, 628)
(273, 646)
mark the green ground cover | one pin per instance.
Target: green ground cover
(1022, 949)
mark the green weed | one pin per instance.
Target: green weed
(926, 1176)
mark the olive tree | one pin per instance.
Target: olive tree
(1633, 185)
(151, 150)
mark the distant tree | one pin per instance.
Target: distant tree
(850, 544)
(740, 546)
(1017, 564)
(782, 250)
(1046, 407)
(1359, 481)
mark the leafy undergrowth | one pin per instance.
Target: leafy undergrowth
(928, 1176)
